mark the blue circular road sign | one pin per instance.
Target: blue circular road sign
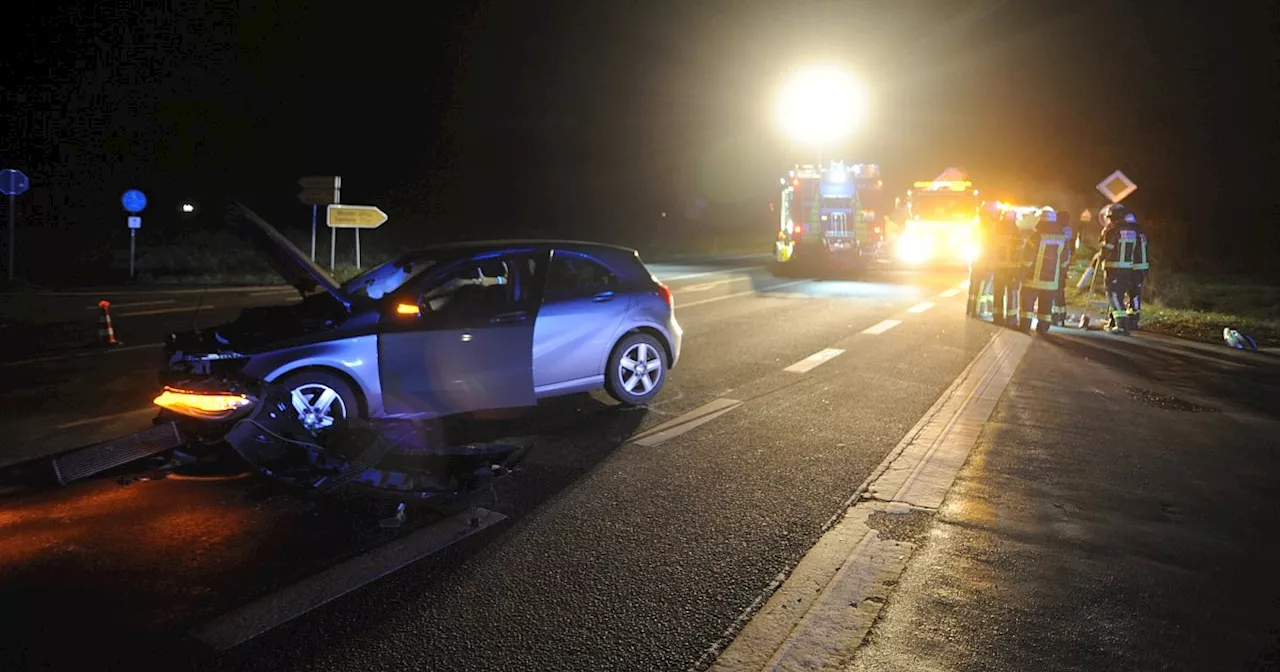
(134, 200)
(13, 182)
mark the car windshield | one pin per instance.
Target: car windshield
(386, 278)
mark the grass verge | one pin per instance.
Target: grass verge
(1198, 307)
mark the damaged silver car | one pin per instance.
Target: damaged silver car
(346, 385)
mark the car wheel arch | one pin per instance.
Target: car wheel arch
(362, 398)
(656, 333)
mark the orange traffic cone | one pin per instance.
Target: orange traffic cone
(106, 334)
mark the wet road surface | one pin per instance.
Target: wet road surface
(610, 553)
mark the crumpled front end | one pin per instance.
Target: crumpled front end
(213, 405)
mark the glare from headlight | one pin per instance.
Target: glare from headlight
(970, 251)
(199, 405)
(913, 250)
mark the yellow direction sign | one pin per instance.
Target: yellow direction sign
(1116, 186)
(354, 216)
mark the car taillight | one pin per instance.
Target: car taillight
(665, 292)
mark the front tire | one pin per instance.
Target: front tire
(637, 370)
(323, 401)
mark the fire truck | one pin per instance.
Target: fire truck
(940, 216)
(831, 218)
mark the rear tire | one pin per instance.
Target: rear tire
(637, 370)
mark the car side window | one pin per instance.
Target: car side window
(475, 288)
(572, 275)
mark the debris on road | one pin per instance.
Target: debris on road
(1238, 340)
(110, 454)
(394, 521)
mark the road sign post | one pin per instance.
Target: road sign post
(13, 183)
(13, 227)
(134, 201)
(352, 217)
(313, 231)
(317, 191)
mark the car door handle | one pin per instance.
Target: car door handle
(602, 297)
(507, 318)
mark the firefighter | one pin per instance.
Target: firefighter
(1060, 297)
(1042, 269)
(1138, 276)
(980, 269)
(1116, 250)
(1005, 243)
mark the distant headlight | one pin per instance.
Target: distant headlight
(914, 249)
(207, 406)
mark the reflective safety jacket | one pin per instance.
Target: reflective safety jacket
(1120, 247)
(1141, 262)
(1042, 257)
(1069, 249)
(1001, 246)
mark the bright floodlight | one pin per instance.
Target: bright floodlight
(821, 104)
(188, 207)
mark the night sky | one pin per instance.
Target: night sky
(587, 118)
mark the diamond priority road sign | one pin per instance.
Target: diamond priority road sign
(354, 216)
(1116, 187)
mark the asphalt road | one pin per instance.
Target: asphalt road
(1116, 514)
(613, 554)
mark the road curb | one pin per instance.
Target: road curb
(817, 616)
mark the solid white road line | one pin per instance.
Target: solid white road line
(818, 616)
(950, 292)
(815, 360)
(703, 274)
(161, 291)
(681, 424)
(920, 307)
(164, 311)
(135, 304)
(881, 327)
(105, 418)
(274, 292)
(87, 353)
(251, 620)
(758, 292)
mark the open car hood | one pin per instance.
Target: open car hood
(292, 264)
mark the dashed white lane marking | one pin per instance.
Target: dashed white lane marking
(681, 424)
(76, 355)
(702, 287)
(820, 613)
(815, 360)
(757, 292)
(920, 307)
(251, 620)
(951, 292)
(690, 276)
(135, 304)
(164, 311)
(105, 418)
(881, 327)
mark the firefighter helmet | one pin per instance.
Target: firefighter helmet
(1113, 214)
(1048, 214)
